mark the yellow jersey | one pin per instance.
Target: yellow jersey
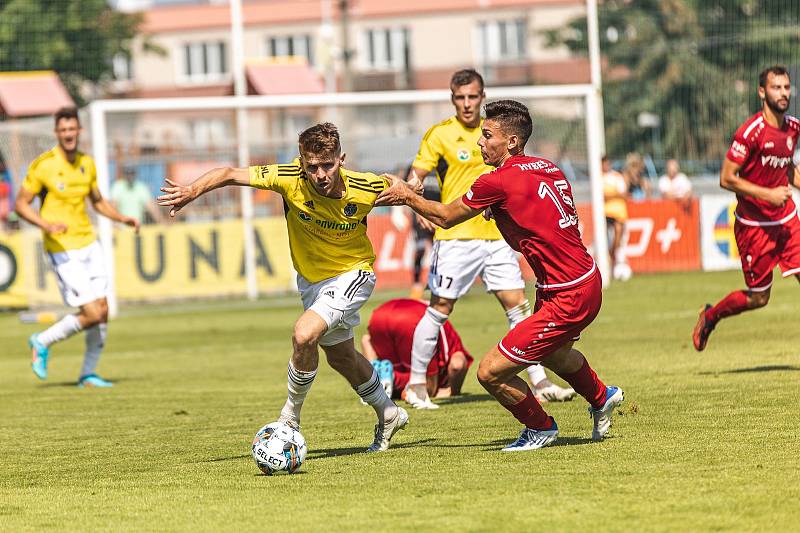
(63, 188)
(327, 236)
(452, 149)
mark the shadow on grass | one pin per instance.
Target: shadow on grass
(74, 384)
(337, 452)
(764, 368)
(465, 398)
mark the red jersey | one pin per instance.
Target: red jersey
(391, 329)
(532, 203)
(765, 155)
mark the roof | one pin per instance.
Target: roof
(25, 94)
(282, 77)
(265, 12)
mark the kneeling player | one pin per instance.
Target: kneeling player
(391, 335)
(532, 203)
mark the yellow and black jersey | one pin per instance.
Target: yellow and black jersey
(327, 236)
(452, 149)
(63, 188)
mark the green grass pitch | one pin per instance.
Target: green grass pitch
(703, 442)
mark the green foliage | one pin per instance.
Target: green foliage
(703, 442)
(76, 38)
(693, 63)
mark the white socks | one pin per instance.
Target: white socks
(517, 314)
(63, 329)
(299, 384)
(536, 374)
(373, 394)
(95, 340)
(426, 335)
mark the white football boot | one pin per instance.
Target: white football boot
(412, 396)
(602, 416)
(384, 431)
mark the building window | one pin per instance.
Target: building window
(205, 61)
(291, 46)
(502, 40)
(122, 67)
(212, 132)
(385, 49)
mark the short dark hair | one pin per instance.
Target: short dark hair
(513, 117)
(320, 139)
(465, 77)
(66, 113)
(777, 70)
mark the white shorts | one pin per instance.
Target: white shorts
(456, 263)
(81, 274)
(337, 300)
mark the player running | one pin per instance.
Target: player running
(532, 202)
(474, 248)
(757, 168)
(391, 333)
(63, 178)
(326, 207)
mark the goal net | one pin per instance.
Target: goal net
(205, 252)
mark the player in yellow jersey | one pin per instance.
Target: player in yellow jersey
(63, 178)
(474, 248)
(326, 207)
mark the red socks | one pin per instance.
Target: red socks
(587, 384)
(732, 304)
(530, 413)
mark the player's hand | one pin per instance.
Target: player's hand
(175, 196)
(426, 224)
(779, 195)
(416, 184)
(132, 222)
(487, 214)
(55, 228)
(395, 194)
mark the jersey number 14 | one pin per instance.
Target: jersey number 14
(545, 191)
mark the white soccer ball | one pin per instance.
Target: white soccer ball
(622, 272)
(277, 447)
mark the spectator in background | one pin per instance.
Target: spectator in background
(615, 194)
(5, 201)
(132, 198)
(674, 185)
(638, 184)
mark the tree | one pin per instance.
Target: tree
(76, 38)
(692, 63)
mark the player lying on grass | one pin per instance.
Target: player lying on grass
(326, 207)
(532, 203)
(389, 339)
(759, 167)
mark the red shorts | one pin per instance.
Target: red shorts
(558, 318)
(762, 248)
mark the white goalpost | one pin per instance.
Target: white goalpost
(102, 110)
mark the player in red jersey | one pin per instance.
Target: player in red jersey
(759, 167)
(391, 335)
(531, 201)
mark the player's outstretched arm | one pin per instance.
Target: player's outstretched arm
(444, 215)
(729, 179)
(177, 196)
(105, 208)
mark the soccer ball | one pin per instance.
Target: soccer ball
(622, 272)
(279, 448)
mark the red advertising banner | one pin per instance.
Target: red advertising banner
(660, 235)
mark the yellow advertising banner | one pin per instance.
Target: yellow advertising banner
(161, 262)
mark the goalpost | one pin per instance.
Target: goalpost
(102, 110)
